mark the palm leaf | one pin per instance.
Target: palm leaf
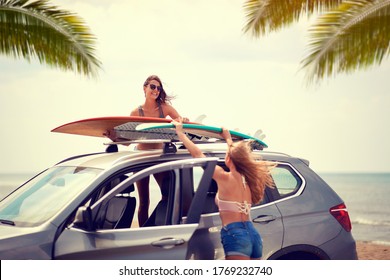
(264, 16)
(354, 36)
(56, 37)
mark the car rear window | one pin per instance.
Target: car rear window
(287, 181)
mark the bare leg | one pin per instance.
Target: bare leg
(164, 188)
(144, 200)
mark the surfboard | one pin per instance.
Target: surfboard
(116, 128)
(200, 130)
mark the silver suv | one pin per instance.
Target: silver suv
(85, 207)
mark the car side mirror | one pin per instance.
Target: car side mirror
(83, 218)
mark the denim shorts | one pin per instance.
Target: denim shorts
(241, 238)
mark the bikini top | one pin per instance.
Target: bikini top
(233, 206)
(142, 114)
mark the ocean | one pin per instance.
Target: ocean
(367, 197)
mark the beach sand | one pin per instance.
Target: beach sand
(371, 251)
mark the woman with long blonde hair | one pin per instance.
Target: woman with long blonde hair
(238, 188)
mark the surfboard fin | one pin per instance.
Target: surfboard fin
(259, 134)
(200, 118)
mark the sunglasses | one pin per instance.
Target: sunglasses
(153, 87)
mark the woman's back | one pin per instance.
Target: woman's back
(232, 189)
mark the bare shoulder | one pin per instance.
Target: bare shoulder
(134, 112)
(167, 106)
(169, 110)
(220, 175)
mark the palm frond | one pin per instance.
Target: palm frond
(56, 37)
(356, 35)
(265, 16)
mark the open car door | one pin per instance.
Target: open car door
(85, 240)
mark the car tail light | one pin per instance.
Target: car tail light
(340, 212)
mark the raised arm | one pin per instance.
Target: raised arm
(226, 135)
(219, 173)
(191, 147)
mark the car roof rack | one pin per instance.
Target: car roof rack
(169, 145)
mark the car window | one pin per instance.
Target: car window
(115, 203)
(46, 194)
(209, 205)
(197, 175)
(287, 181)
(121, 210)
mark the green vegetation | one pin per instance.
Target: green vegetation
(58, 38)
(346, 36)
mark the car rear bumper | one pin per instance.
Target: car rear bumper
(343, 247)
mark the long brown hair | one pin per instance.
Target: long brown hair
(257, 173)
(163, 97)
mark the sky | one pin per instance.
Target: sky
(204, 59)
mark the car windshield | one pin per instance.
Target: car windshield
(42, 197)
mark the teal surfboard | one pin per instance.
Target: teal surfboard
(200, 130)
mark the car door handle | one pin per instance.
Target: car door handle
(264, 219)
(168, 243)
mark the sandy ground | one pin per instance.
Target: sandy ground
(372, 251)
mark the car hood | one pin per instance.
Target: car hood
(26, 243)
(7, 232)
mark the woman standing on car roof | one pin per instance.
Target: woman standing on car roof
(156, 105)
(238, 188)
